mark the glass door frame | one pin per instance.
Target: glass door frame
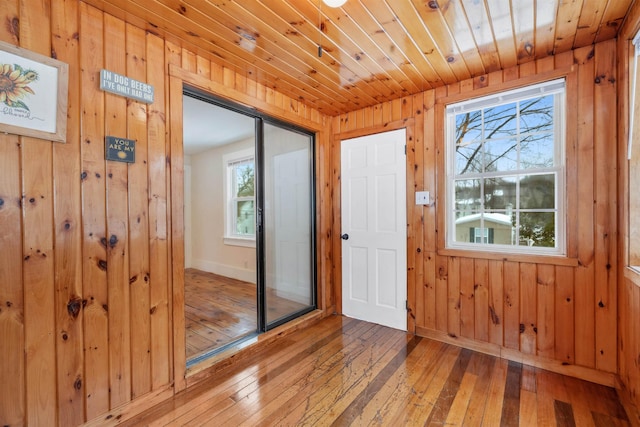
(260, 120)
(263, 324)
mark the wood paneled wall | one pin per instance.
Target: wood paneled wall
(557, 313)
(87, 279)
(86, 287)
(628, 181)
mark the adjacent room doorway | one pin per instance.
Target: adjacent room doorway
(249, 223)
(374, 228)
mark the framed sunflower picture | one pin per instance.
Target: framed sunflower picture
(33, 94)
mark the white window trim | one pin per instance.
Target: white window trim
(545, 88)
(229, 238)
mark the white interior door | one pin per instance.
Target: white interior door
(374, 256)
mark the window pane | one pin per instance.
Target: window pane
(499, 228)
(500, 193)
(245, 218)
(468, 158)
(537, 229)
(481, 235)
(500, 121)
(467, 196)
(537, 151)
(244, 180)
(536, 114)
(468, 127)
(466, 223)
(487, 228)
(501, 155)
(537, 192)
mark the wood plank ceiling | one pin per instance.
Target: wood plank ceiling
(372, 50)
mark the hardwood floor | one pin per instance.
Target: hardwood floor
(342, 372)
(219, 310)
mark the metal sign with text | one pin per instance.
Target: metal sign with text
(120, 149)
(126, 86)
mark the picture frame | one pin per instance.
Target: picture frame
(33, 94)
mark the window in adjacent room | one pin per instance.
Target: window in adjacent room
(240, 198)
(505, 171)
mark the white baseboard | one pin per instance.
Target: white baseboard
(243, 274)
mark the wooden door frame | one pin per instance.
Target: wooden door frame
(336, 183)
(178, 79)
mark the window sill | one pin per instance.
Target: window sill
(632, 274)
(531, 258)
(239, 241)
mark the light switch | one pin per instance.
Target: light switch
(422, 198)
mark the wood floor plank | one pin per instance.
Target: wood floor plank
(342, 371)
(281, 383)
(581, 408)
(460, 404)
(246, 377)
(603, 400)
(609, 399)
(345, 383)
(243, 397)
(493, 411)
(428, 389)
(547, 392)
(528, 379)
(284, 397)
(602, 420)
(390, 398)
(406, 397)
(356, 407)
(228, 381)
(564, 414)
(528, 409)
(449, 389)
(481, 365)
(511, 406)
(220, 310)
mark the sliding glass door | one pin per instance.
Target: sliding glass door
(249, 223)
(287, 217)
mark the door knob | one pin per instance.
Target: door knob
(345, 236)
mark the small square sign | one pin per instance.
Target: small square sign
(120, 149)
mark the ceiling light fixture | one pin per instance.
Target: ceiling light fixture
(334, 3)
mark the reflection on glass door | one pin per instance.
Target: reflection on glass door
(288, 223)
